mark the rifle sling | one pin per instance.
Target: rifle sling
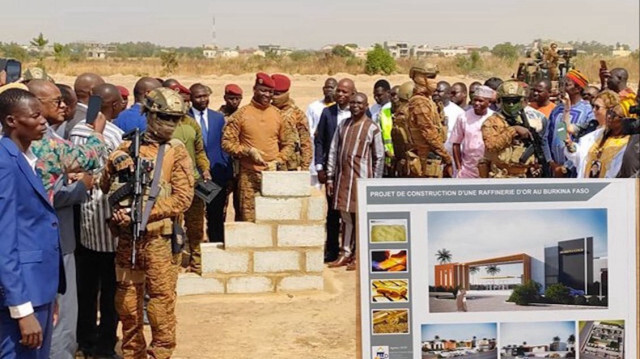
(155, 187)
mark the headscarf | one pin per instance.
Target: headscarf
(578, 78)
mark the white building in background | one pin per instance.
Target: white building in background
(398, 49)
(621, 52)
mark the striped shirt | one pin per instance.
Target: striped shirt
(356, 152)
(94, 232)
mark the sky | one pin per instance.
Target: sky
(541, 333)
(475, 235)
(308, 24)
(459, 331)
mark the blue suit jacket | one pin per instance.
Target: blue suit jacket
(324, 134)
(29, 248)
(221, 164)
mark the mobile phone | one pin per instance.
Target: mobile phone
(13, 69)
(95, 103)
(603, 64)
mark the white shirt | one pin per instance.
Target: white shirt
(453, 113)
(200, 116)
(314, 111)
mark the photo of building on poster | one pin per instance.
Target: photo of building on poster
(538, 340)
(602, 339)
(468, 341)
(519, 260)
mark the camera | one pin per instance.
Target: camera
(13, 69)
(631, 126)
(568, 53)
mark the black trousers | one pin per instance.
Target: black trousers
(216, 213)
(332, 246)
(96, 279)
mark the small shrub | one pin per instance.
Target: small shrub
(580, 300)
(593, 300)
(526, 293)
(558, 293)
(379, 61)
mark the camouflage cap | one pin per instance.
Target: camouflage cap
(166, 101)
(406, 91)
(511, 88)
(428, 70)
(35, 73)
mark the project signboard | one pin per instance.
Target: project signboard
(498, 269)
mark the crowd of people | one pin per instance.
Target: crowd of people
(79, 256)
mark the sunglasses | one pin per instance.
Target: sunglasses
(57, 101)
(511, 100)
(166, 117)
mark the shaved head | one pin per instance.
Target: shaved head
(53, 106)
(170, 82)
(42, 88)
(84, 84)
(143, 86)
(346, 88)
(112, 103)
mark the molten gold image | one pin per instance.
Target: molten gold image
(391, 321)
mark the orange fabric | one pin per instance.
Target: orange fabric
(546, 110)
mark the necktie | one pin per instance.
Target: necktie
(204, 128)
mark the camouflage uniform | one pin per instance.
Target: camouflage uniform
(303, 152)
(400, 131)
(189, 132)
(154, 268)
(256, 126)
(427, 132)
(503, 148)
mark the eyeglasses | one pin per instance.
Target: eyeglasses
(57, 101)
(597, 107)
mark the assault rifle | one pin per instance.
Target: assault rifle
(534, 146)
(134, 185)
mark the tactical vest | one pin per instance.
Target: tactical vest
(506, 163)
(164, 226)
(295, 160)
(401, 138)
(421, 159)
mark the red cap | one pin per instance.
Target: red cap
(282, 82)
(233, 89)
(181, 89)
(123, 91)
(264, 80)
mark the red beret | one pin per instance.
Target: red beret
(282, 82)
(233, 89)
(123, 91)
(180, 89)
(264, 80)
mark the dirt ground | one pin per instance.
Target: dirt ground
(319, 325)
(304, 88)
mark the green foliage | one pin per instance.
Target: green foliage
(592, 48)
(40, 42)
(593, 300)
(558, 293)
(169, 60)
(190, 53)
(580, 300)
(300, 55)
(506, 51)
(379, 61)
(137, 49)
(493, 269)
(61, 53)
(525, 294)
(14, 51)
(351, 46)
(341, 51)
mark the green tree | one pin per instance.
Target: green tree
(506, 51)
(558, 293)
(61, 53)
(526, 294)
(40, 42)
(443, 256)
(571, 339)
(14, 51)
(379, 61)
(341, 51)
(169, 60)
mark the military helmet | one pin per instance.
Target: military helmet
(511, 88)
(165, 101)
(36, 73)
(428, 70)
(405, 91)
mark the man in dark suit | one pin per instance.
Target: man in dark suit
(30, 261)
(330, 118)
(221, 167)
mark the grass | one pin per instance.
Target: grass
(486, 67)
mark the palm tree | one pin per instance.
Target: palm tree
(556, 338)
(572, 339)
(474, 270)
(444, 256)
(492, 270)
(40, 42)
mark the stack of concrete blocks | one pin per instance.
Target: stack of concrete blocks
(283, 251)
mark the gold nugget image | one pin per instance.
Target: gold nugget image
(381, 233)
(391, 321)
(384, 291)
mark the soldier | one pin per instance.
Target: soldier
(260, 139)
(303, 152)
(400, 131)
(428, 135)
(507, 134)
(153, 268)
(551, 58)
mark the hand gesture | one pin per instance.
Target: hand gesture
(30, 332)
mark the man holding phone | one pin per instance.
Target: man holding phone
(10, 71)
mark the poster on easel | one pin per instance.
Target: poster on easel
(480, 269)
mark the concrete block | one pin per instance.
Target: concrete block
(317, 208)
(286, 184)
(276, 261)
(278, 209)
(247, 234)
(249, 285)
(217, 260)
(300, 283)
(314, 261)
(311, 235)
(191, 284)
